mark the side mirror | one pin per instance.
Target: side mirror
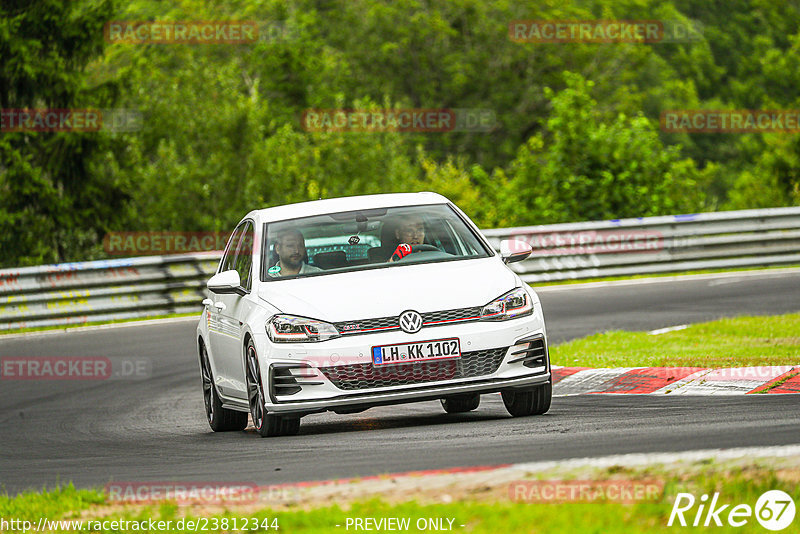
(512, 250)
(226, 282)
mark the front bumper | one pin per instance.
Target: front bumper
(357, 402)
(316, 392)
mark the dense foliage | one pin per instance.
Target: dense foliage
(577, 134)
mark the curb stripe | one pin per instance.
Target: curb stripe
(675, 380)
(732, 381)
(590, 380)
(678, 384)
(792, 385)
(641, 381)
(561, 373)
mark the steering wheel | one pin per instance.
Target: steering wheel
(423, 248)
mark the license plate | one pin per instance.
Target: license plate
(423, 351)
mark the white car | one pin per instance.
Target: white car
(402, 300)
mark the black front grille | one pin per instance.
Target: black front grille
(361, 327)
(365, 326)
(367, 376)
(460, 314)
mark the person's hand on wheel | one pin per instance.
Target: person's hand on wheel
(402, 250)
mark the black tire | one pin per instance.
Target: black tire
(219, 419)
(461, 403)
(290, 426)
(536, 401)
(267, 425)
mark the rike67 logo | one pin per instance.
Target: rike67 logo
(774, 510)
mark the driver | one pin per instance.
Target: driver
(290, 246)
(410, 231)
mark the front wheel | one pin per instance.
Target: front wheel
(267, 425)
(535, 401)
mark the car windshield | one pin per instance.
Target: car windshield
(367, 239)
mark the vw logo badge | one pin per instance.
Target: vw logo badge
(410, 322)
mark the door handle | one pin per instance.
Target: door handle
(220, 305)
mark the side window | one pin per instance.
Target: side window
(244, 256)
(229, 258)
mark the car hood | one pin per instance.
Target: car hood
(390, 291)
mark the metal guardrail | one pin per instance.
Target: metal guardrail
(77, 293)
(652, 245)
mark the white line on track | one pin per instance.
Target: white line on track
(668, 329)
(768, 273)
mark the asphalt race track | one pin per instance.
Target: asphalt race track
(94, 432)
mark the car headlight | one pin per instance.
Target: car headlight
(515, 303)
(292, 329)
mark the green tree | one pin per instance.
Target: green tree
(53, 202)
(585, 167)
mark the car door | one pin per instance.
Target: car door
(220, 329)
(232, 310)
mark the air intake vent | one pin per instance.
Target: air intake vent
(284, 378)
(531, 352)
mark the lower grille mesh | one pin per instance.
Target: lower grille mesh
(367, 376)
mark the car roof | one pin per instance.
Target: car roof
(334, 205)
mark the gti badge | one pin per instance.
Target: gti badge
(410, 322)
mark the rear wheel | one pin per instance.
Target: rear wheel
(461, 403)
(267, 425)
(535, 401)
(219, 419)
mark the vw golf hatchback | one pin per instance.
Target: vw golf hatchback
(349, 303)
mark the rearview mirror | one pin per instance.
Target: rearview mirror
(512, 250)
(226, 282)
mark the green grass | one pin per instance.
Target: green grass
(54, 503)
(736, 483)
(736, 342)
(658, 275)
